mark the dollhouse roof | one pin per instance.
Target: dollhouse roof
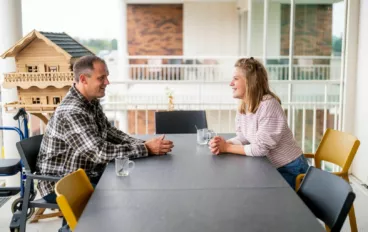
(68, 44)
(62, 42)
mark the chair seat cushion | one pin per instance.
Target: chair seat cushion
(42, 203)
(9, 167)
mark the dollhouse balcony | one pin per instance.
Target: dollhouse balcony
(30, 108)
(40, 79)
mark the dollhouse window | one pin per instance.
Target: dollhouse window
(53, 68)
(32, 68)
(56, 100)
(36, 100)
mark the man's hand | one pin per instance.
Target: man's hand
(217, 145)
(159, 146)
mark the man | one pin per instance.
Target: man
(79, 135)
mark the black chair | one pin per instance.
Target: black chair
(28, 150)
(180, 122)
(328, 196)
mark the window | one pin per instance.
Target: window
(56, 100)
(53, 68)
(32, 68)
(36, 100)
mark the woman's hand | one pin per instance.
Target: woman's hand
(218, 145)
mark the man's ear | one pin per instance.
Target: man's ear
(83, 79)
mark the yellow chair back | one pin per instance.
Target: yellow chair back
(73, 192)
(338, 148)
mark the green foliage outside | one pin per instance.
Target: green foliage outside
(336, 45)
(97, 45)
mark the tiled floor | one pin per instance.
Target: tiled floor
(44, 225)
(360, 205)
(53, 224)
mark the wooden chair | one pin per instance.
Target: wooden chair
(338, 148)
(73, 192)
(40, 214)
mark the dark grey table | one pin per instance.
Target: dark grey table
(192, 190)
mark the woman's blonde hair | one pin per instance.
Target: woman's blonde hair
(256, 84)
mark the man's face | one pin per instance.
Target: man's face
(95, 85)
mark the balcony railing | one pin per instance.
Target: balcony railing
(203, 69)
(41, 79)
(309, 112)
(308, 120)
(311, 98)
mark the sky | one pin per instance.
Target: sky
(97, 18)
(338, 18)
(78, 18)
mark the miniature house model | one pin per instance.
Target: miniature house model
(44, 70)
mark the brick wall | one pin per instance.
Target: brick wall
(155, 29)
(313, 30)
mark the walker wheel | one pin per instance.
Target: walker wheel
(17, 206)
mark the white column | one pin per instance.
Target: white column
(123, 71)
(10, 33)
(242, 6)
(265, 29)
(350, 65)
(121, 117)
(291, 55)
(359, 112)
(249, 28)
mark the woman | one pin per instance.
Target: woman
(261, 126)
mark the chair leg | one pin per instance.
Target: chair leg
(298, 181)
(23, 217)
(352, 220)
(37, 214)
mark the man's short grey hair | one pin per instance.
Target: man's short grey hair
(84, 65)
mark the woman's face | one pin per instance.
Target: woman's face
(238, 84)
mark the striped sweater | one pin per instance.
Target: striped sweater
(266, 133)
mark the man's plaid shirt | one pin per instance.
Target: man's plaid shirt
(79, 135)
